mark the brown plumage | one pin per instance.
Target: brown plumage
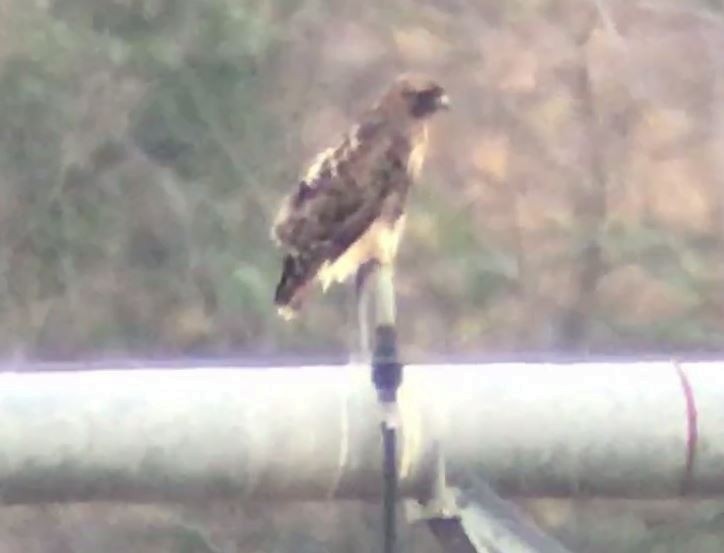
(348, 207)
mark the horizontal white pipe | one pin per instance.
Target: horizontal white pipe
(616, 429)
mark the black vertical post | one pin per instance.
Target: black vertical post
(389, 496)
(387, 376)
(375, 282)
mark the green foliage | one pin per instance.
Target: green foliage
(144, 145)
(84, 206)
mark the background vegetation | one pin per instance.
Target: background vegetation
(572, 203)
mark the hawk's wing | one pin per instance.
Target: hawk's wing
(344, 192)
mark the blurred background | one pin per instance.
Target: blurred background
(572, 203)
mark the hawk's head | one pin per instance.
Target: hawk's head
(415, 96)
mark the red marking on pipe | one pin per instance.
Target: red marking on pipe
(692, 428)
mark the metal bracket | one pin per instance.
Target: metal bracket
(471, 518)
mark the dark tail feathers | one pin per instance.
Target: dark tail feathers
(296, 274)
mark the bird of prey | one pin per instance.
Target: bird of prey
(348, 208)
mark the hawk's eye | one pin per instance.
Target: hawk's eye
(425, 102)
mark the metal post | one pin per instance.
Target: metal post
(386, 376)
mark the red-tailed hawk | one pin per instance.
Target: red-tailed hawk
(348, 207)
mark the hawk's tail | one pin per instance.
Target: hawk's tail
(297, 272)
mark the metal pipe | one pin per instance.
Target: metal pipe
(616, 429)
